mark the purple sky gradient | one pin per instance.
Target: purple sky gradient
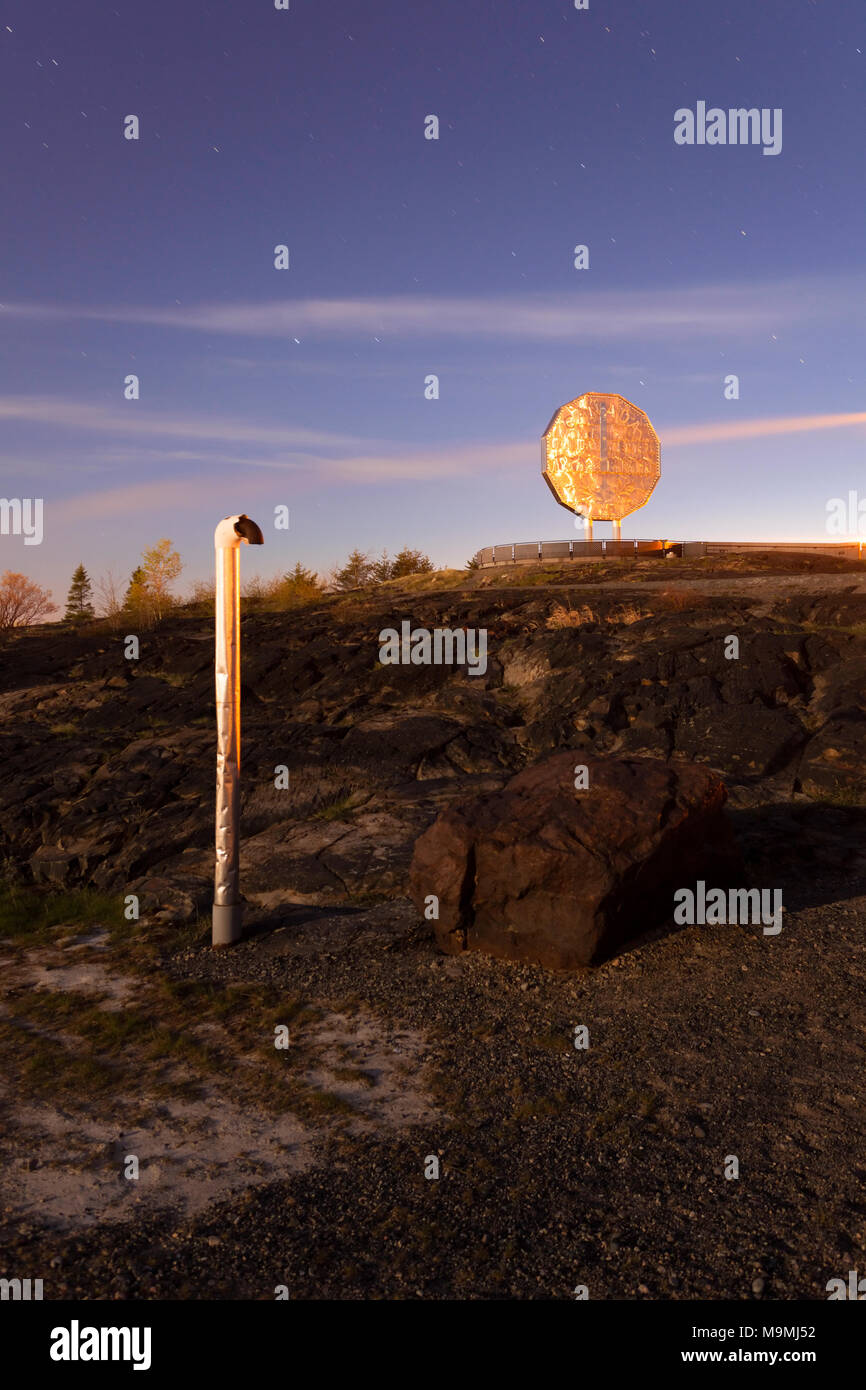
(305, 387)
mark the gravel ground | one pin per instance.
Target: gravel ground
(558, 1166)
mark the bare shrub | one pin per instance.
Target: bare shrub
(677, 600)
(109, 599)
(202, 593)
(22, 602)
(582, 616)
(561, 616)
(625, 616)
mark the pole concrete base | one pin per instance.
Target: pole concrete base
(227, 924)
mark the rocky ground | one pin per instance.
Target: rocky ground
(304, 1166)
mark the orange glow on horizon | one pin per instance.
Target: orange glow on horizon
(720, 431)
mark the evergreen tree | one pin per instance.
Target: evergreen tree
(383, 568)
(79, 600)
(135, 588)
(137, 603)
(410, 562)
(355, 573)
(299, 585)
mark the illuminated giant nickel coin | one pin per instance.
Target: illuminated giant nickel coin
(600, 456)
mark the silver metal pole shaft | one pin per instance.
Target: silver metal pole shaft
(617, 530)
(229, 536)
(227, 668)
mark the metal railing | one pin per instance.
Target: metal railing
(533, 552)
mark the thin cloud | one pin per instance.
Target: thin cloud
(671, 314)
(132, 420)
(455, 461)
(176, 495)
(363, 462)
(757, 429)
(181, 494)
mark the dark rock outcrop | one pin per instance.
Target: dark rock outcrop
(542, 872)
(107, 765)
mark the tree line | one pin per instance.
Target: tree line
(148, 596)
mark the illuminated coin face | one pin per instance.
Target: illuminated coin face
(600, 456)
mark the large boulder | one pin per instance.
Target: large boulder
(542, 872)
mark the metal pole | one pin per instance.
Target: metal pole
(229, 536)
(587, 529)
(617, 530)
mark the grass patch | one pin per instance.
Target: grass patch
(554, 1042)
(153, 728)
(179, 679)
(33, 913)
(48, 1068)
(310, 1104)
(337, 810)
(176, 1038)
(355, 1076)
(156, 1050)
(842, 796)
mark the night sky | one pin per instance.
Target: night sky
(410, 256)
